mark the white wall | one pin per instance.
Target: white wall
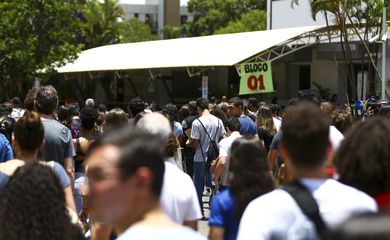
(325, 73)
(282, 15)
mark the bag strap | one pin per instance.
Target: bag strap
(208, 135)
(308, 205)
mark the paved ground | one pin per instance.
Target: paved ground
(203, 226)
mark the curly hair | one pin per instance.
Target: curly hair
(363, 159)
(341, 119)
(170, 111)
(249, 170)
(33, 207)
(88, 117)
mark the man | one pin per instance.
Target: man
(125, 177)
(188, 153)
(253, 107)
(178, 197)
(136, 105)
(89, 103)
(221, 177)
(304, 148)
(58, 144)
(205, 124)
(236, 109)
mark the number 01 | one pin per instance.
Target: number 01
(256, 83)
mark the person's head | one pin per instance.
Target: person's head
(184, 112)
(30, 99)
(220, 114)
(363, 158)
(157, 125)
(32, 206)
(136, 105)
(115, 119)
(264, 120)
(223, 99)
(233, 125)
(172, 146)
(310, 95)
(249, 174)
(28, 134)
(16, 102)
(192, 107)
(236, 107)
(213, 100)
(253, 104)
(328, 108)
(384, 111)
(368, 226)
(170, 111)
(275, 109)
(202, 104)
(46, 100)
(88, 117)
(125, 173)
(64, 114)
(89, 103)
(341, 119)
(7, 127)
(305, 141)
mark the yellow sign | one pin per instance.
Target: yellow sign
(256, 78)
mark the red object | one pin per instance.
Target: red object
(383, 201)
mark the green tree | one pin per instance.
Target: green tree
(170, 32)
(134, 30)
(211, 15)
(255, 20)
(35, 36)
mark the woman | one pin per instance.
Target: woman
(265, 126)
(249, 179)
(363, 159)
(115, 119)
(88, 133)
(27, 141)
(32, 206)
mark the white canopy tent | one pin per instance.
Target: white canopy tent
(197, 53)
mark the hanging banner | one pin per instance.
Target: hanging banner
(256, 78)
(205, 86)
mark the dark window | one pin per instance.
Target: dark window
(304, 77)
(136, 15)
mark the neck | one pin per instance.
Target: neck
(205, 112)
(28, 157)
(138, 215)
(308, 173)
(87, 133)
(46, 116)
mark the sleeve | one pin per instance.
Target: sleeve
(10, 153)
(216, 213)
(222, 127)
(223, 151)
(61, 174)
(195, 133)
(276, 140)
(193, 208)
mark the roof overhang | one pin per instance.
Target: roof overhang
(199, 53)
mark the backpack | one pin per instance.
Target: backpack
(212, 151)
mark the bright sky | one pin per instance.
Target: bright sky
(182, 2)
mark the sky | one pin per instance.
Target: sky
(182, 2)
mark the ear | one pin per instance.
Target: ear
(143, 180)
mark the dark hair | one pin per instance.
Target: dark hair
(46, 100)
(30, 99)
(184, 112)
(170, 111)
(192, 108)
(309, 95)
(7, 127)
(220, 114)
(115, 119)
(305, 134)
(233, 124)
(102, 108)
(138, 149)
(16, 102)
(29, 132)
(384, 111)
(88, 117)
(64, 114)
(136, 105)
(250, 175)
(23, 214)
(237, 102)
(363, 159)
(202, 103)
(171, 146)
(368, 226)
(253, 102)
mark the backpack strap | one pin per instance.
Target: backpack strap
(208, 135)
(308, 205)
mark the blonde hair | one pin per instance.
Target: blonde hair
(264, 120)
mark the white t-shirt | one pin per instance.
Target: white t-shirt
(277, 123)
(224, 147)
(215, 129)
(276, 215)
(178, 196)
(149, 233)
(336, 137)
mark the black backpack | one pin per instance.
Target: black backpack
(213, 151)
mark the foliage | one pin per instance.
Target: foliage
(211, 15)
(170, 32)
(254, 20)
(36, 35)
(325, 93)
(134, 30)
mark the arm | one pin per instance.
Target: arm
(271, 158)
(192, 224)
(216, 233)
(69, 168)
(219, 170)
(101, 231)
(192, 143)
(69, 198)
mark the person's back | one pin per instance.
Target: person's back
(304, 147)
(149, 233)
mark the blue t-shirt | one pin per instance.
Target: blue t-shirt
(5, 149)
(248, 127)
(223, 214)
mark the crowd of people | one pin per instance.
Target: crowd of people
(310, 170)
